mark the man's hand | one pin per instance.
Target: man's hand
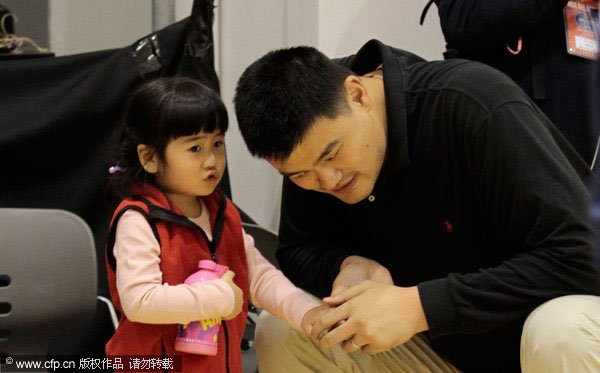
(311, 317)
(378, 317)
(355, 269)
(238, 294)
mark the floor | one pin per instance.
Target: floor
(249, 362)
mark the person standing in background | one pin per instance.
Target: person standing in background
(527, 40)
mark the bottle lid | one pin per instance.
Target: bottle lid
(208, 264)
(213, 266)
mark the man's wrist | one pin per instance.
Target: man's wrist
(421, 320)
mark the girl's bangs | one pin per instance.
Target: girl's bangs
(187, 116)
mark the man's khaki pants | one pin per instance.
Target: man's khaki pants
(561, 335)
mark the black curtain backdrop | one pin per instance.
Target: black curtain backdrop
(60, 125)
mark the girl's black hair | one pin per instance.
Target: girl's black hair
(158, 111)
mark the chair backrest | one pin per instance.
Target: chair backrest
(48, 277)
(265, 241)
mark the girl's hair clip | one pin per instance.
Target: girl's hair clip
(113, 169)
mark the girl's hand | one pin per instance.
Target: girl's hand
(311, 317)
(237, 292)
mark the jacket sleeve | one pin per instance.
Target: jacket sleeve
(272, 291)
(144, 297)
(310, 250)
(479, 25)
(539, 210)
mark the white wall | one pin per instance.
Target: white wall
(250, 29)
(80, 26)
(344, 26)
(91, 25)
(247, 30)
(183, 8)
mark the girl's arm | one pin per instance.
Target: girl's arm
(272, 291)
(144, 298)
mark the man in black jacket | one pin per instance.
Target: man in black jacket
(432, 202)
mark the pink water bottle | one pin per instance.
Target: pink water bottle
(200, 337)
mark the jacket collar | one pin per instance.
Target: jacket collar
(395, 63)
(160, 208)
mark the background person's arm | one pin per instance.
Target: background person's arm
(479, 25)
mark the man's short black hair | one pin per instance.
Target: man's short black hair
(280, 96)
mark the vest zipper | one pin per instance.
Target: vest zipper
(164, 355)
(226, 346)
(213, 253)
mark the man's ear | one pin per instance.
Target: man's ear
(148, 158)
(357, 92)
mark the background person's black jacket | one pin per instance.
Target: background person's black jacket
(481, 202)
(561, 84)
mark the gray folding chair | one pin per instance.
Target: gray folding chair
(48, 279)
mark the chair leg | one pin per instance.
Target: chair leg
(111, 310)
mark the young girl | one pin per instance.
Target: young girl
(172, 158)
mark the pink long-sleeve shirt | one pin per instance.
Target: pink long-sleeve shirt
(144, 298)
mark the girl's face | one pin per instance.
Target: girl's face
(192, 166)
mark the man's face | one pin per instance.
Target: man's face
(340, 156)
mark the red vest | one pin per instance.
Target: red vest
(183, 244)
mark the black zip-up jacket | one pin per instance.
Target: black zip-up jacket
(480, 202)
